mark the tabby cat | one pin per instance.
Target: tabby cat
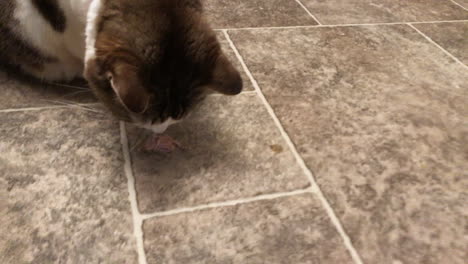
(148, 61)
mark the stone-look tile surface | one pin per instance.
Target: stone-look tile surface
(451, 36)
(63, 196)
(379, 114)
(234, 151)
(256, 13)
(286, 230)
(233, 58)
(25, 93)
(371, 11)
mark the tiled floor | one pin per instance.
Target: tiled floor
(349, 145)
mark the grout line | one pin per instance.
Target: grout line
(308, 12)
(440, 47)
(248, 92)
(227, 203)
(344, 25)
(39, 108)
(334, 219)
(137, 219)
(453, 1)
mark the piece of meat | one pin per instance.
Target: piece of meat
(161, 143)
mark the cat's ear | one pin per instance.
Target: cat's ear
(226, 79)
(127, 86)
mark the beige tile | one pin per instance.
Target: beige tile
(233, 58)
(234, 151)
(63, 197)
(23, 93)
(256, 13)
(379, 114)
(451, 36)
(371, 11)
(286, 230)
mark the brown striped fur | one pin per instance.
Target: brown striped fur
(156, 59)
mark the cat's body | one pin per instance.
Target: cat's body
(55, 37)
(149, 61)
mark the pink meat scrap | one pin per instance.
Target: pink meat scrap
(161, 143)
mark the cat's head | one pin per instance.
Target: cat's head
(152, 61)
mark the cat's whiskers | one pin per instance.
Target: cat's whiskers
(76, 93)
(69, 86)
(85, 107)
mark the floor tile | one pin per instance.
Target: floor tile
(371, 11)
(234, 151)
(379, 114)
(22, 94)
(286, 230)
(451, 36)
(256, 13)
(233, 58)
(63, 196)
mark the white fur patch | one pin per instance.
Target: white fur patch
(67, 47)
(161, 127)
(91, 28)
